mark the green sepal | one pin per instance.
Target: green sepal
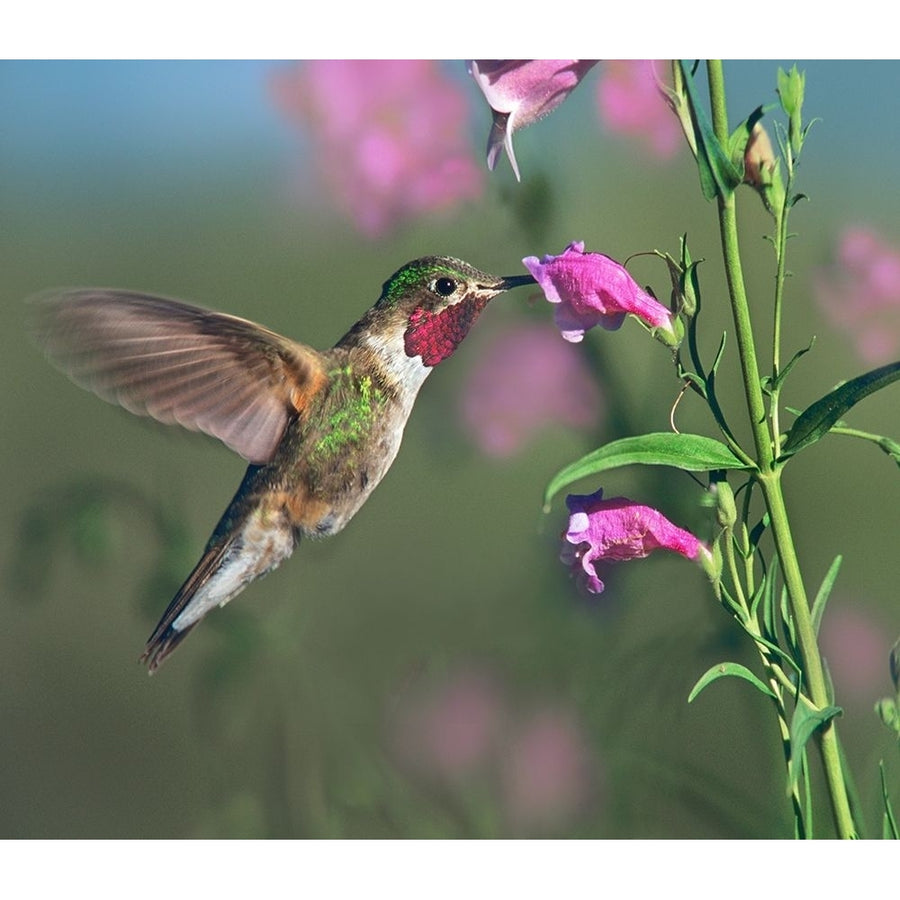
(724, 669)
(804, 724)
(688, 452)
(818, 418)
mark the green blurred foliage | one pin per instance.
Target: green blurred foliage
(273, 719)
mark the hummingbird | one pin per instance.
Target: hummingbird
(319, 429)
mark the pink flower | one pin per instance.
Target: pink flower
(860, 293)
(521, 91)
(389, 135)
(592, 289)
(630, 103)
(527, 379)
(547, 772)
(450, 730)
(617, 530)
(856, 650)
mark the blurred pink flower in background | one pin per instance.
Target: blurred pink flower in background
(533, 768)
(547, 775)
(618, 530)
(449, 730)
(390, 136)
(525, 380)
(631, 104)
(593, 289)
(860, 293)
(857, 651)
(521, 91)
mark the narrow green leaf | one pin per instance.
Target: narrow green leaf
(729, 669)
(818, 606)
(718, 175)
(787, 618)
(783, 374)
(688, 452)
(804, 723)
(889, 828)
(818, 418)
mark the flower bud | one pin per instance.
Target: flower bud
(726, 512)
(759, 158)
(886, 710)
(761, 169)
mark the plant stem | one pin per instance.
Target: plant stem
(769, 472)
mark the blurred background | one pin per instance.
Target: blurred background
(433, 671)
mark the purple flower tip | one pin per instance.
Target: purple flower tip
(592, 289)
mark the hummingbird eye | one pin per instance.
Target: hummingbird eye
(444, 286)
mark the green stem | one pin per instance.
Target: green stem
(769, 474)
(781, 237)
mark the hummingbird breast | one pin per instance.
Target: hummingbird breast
(337, 450)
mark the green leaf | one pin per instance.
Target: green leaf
(718, 175)
(725, 669)
(804, 724)
(818, 606)
(775, 384)
(818, 418)
(787, 618)
(688, 452)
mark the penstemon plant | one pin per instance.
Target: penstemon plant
(752, 562)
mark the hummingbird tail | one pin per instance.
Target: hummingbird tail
(230, 563)
(159, 648)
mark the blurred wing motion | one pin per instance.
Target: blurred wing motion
(181, 364)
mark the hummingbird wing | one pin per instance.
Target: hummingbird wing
(204, 370)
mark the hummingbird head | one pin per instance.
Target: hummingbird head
(436, 300)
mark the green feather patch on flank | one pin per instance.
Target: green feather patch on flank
(350, 423)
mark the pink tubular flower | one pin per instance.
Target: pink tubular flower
(525, 380)
(860, 293)
(389, 135)
(592, 289)
(630, 103)
(617, 530)
(521, 91)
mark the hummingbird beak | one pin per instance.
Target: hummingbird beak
(507, 283)
(514, 281)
